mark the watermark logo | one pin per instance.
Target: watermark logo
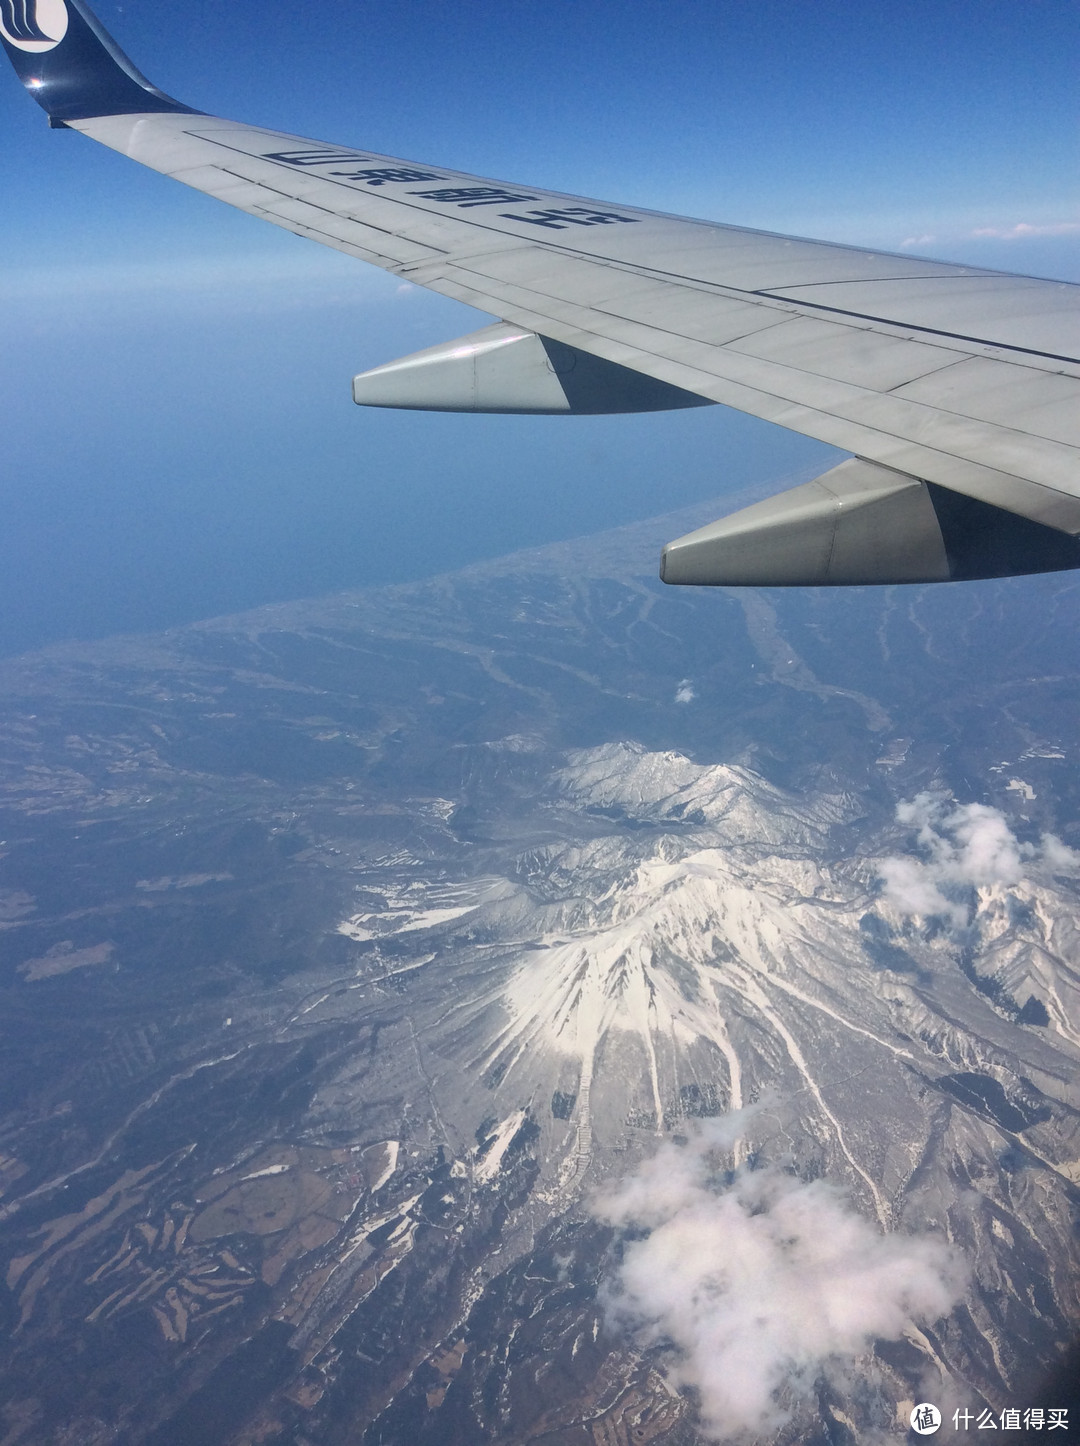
(33, 25)
(925, 1418)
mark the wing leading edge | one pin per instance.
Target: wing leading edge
(958, 389)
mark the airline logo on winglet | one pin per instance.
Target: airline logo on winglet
(33, 25)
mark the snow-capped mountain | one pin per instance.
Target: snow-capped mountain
(446, 992)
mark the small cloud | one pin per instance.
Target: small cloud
(984, 850)
(965, 846)
(761, 1282)
(1023, 229)
(1059, 858)
(917, 241)
(404, 289)
(684, 693)
(911, 889)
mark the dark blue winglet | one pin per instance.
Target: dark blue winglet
(72, 67)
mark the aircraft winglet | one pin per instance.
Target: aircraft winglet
(72, 67)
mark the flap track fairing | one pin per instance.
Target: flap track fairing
(863, 523)
(504, 368)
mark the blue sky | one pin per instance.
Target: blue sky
(177, 423)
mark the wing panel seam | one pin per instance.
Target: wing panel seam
(914, 326)
(697, 283)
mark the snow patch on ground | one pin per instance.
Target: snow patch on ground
(422, 907)
(489, 1165)
(269, 1170)
(380, 1170)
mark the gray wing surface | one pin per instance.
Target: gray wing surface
(961, 378)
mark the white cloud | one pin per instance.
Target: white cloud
(1059, 858)
(1023, 229)
(1014, 231)
(984, 849)
(910, 889)
(965, 846)
(684, 693)
(759, 1281)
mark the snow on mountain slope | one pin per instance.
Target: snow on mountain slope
(648, 976)
(625, 778)
(663, 941)
(518, 881)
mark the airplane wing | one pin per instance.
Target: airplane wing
(956, 389)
